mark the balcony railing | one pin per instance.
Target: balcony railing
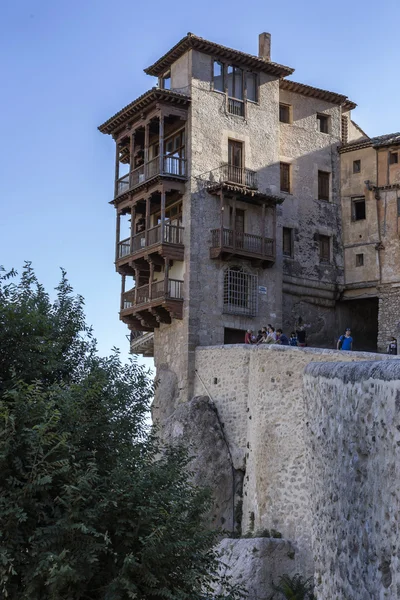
(242, 242)
(173, 166)
(173, 234)
(236, 107)
(172, 289)
(227, 173)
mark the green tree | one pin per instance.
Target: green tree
(91, 507)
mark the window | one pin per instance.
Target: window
(252, 87)
(287, 239)
(235, 161)
(393, 158)
(356, 166)
(240, 292)
(359, 260)
(165, 82)
(323, 123)
(323, 185)
(235, 82)
(284, 113)
(285, 177)
(174, 150)
(358, 209)
(324, 248)
(218, 76)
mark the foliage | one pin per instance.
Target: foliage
(294, 588)
(91, 507)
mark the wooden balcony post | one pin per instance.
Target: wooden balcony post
(117, 234)
(151, 279)
(133, 217)
(122, 291)
(146, 148)
(147, 221)
(132, 160)
(137, 275)
(116, 169)
(162, 216)
(166, 277)
(263, 229)
(161, 144)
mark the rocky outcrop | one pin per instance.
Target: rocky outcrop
(197, 425)
(256, 563)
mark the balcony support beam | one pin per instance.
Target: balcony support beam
(117, 234)
(161, 143)
(162, 215)
(122, 291)
(116, 169)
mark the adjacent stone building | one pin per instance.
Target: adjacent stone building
(227, 192)
(370, 172)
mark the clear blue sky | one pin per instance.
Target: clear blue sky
(68, 65)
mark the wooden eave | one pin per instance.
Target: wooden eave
(145, 101)
(308, 90)
(191, 41)
(247, 194)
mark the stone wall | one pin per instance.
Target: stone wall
(389, 314)
(352, 415)
(257, 391)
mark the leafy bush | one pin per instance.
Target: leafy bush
(294, 588)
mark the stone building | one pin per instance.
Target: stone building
(227, 193)
(370, 172)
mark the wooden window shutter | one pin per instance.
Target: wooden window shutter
(285, 177)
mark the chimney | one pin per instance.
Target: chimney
(264, 46)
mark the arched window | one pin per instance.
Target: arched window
(240, 292)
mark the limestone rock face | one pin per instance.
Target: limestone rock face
(256, 563)
(196, 424)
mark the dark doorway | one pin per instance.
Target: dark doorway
(362, 317)
(234, 336)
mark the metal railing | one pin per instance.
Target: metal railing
(227, 173)
(236, 107)
(169, 165)
(237, 240)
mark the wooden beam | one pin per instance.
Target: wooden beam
(122, 291)
(263, 229)
(151, 276)
(137, 275)
(166, 277)
(162, 215)
(117, 234)
(132, 152)
(161, 143)
(133, 218)
(116, 169)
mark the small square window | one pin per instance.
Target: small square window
(359, 260)
(358, 212)
(287, 241)
(393, 158)
(284, 113)
(323, 185)
(356, 166)
(324, 248)
(323, 123)
(285, 177)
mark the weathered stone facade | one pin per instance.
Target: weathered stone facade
(353, 458)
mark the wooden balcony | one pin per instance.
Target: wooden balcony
(226, 243)
(166, 241)
(142, 342)
(171, 167)
(152, 304)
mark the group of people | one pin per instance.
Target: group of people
(268, 335)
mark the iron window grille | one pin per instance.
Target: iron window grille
(240, 292)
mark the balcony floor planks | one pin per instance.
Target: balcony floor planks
(226, 253)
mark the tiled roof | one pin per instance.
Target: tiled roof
(390, 139)
(135, 107)
(308, 90)
(242, 58)
(379, 141)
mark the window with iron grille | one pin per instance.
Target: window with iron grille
(240, 292)
(324, 248)
(323, 185)
(285, 177)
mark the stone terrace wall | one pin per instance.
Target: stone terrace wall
(353, 415)
(258, 394)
